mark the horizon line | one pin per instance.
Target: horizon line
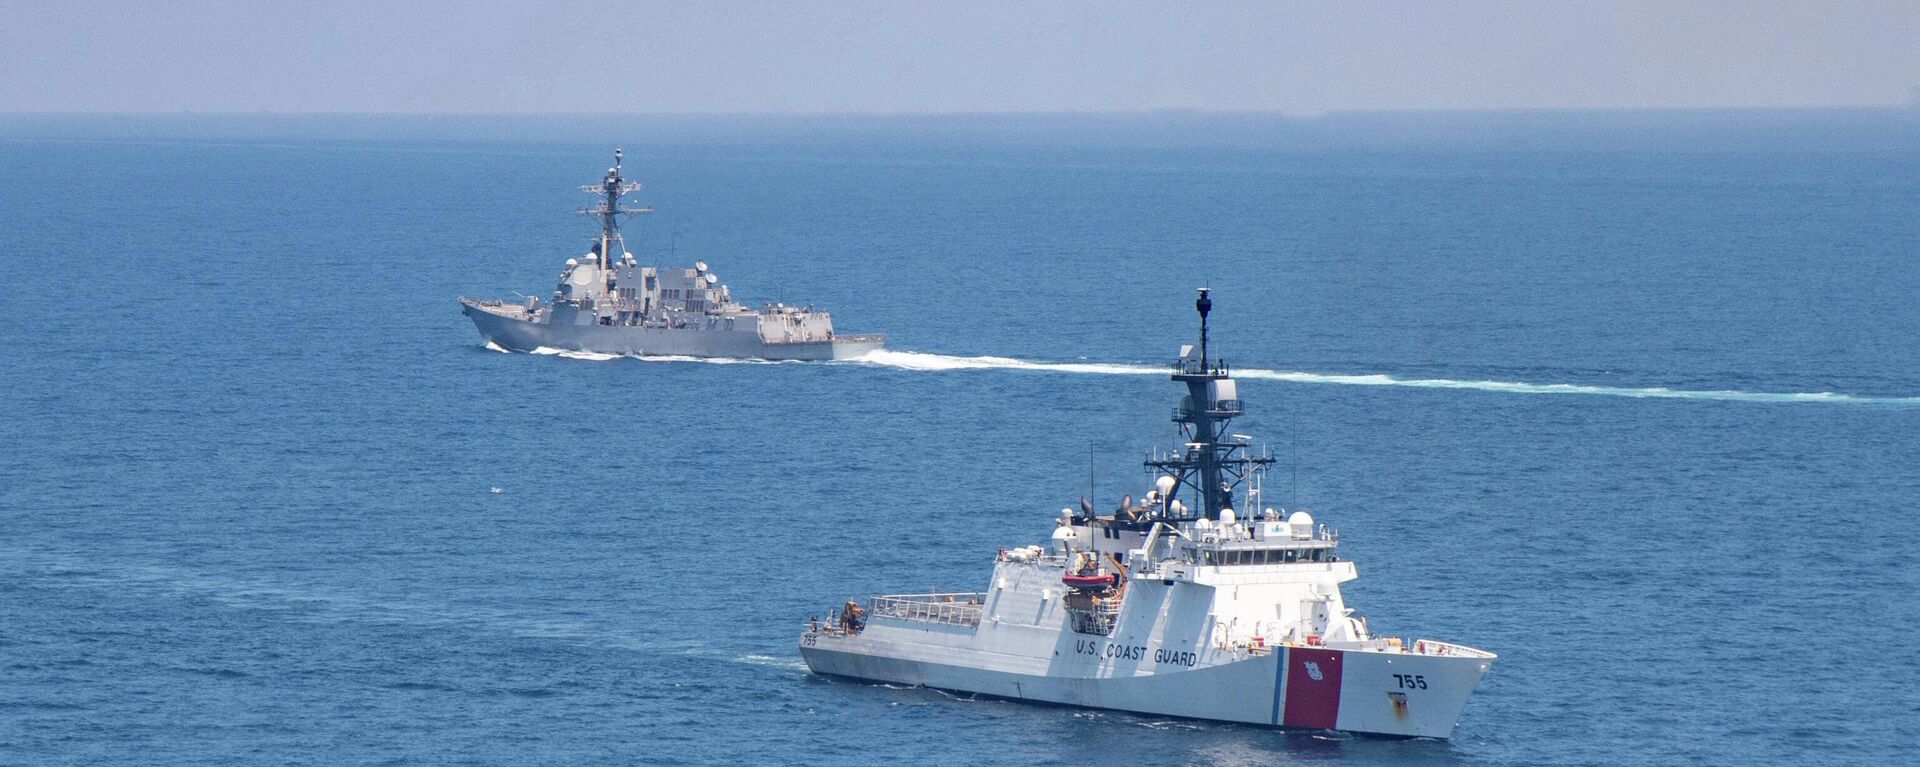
(1149, 112)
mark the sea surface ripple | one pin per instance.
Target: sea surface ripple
(1641, 421)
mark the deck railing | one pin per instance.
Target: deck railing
(960, 609)
(1431, 647)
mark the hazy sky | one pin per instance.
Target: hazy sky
(430, 56)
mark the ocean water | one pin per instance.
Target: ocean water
(1641, 415)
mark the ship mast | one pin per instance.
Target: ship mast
(609, 210)
(1211, 466)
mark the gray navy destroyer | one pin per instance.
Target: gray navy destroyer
(607, 303)
(1161, 607)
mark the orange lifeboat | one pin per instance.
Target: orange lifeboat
(1088, 582)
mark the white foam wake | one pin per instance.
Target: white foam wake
(924, 362)
(941, 362)
(572, 354)
(548, 351)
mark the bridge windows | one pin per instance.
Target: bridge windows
(1240, 557)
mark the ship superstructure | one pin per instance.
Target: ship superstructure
(1178, 604)
(606, 302)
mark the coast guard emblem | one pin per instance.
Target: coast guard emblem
(1313, 670)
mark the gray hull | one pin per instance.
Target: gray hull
(716, 338)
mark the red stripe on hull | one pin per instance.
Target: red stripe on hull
(1313, 688)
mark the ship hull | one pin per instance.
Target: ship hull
(1388, 694)
(716, 339)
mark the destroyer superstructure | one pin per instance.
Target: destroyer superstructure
(607, 303)
(1162, 607)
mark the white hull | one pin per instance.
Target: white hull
(1273, 689)
(1022, 649)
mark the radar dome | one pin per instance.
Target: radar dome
(1227, 517)
(699, 266)
(573, 262)
(1302, 524)
(1165, 485)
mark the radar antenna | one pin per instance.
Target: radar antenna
(609, 210)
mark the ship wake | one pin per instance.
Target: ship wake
(573, 354)
(940, 362)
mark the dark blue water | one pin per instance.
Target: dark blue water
(1642, 421)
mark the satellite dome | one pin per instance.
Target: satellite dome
(1302, 524)
(573, 262)
(1227, 517)
(1165, 485)
(699, 266)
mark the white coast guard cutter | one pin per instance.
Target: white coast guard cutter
(1164, 608)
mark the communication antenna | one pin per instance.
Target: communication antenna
(1205, 306)
(1293, 447)
(1090, 493)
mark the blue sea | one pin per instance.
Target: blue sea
(1633, 401)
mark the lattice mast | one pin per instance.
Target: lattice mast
(1211, 464)
(609, 210)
